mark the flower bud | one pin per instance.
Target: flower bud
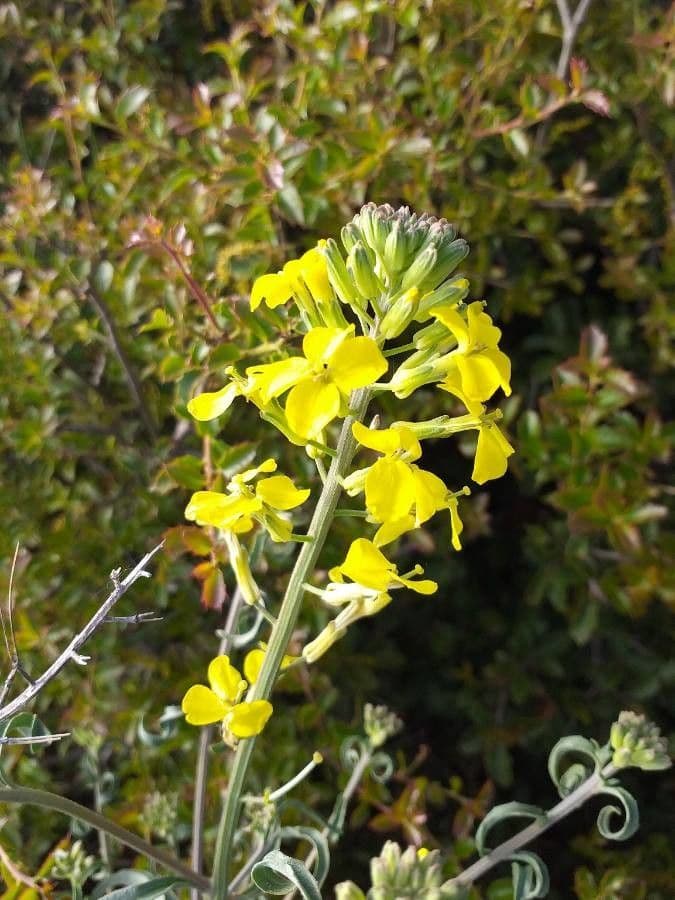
(395, 252)
(637, 742)
(450, 293)
(435, 336)
(350, 236)
(421, 268)
(380, 723)
(347, 890)
(404, 382)
(449, 257)
(242, 571)
(360, 264)
(338, 275)
(400, 314)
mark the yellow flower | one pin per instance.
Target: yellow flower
(305, 280)
(481, 365)
(399, 494)
(369, 567)
(221, 702)
(334, 364)
(492, 452)
(237, 509)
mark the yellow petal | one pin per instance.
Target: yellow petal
(273, 289)
(390, 490)
(481, 330)
(388, 440)
(319, 343)
(390, 531)
(311, 405)
(456, 524)
(202, 707)
(366, 565)
(430, 494)
(502, 364)
(210, 405)
(384, 440)
(273, 379)
(225, 680)
(279, 492)
(268, 465)
(452, 383)
(253, 664)
(356, 363)
(491, 454)
(423, 586)
(315, 274)
(248, 719)
(219, 510)
(454, 322)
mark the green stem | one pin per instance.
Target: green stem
(282, 632)
(47, 800)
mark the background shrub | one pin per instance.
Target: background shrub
(145, 143)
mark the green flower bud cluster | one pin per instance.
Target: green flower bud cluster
(73, 864)
(380, 724)
(638, 742)
(399, 876)
(418, 251)
(160, 813)
(398, 262)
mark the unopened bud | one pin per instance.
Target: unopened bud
(450, 293)
(435, 336)
(350, 236)
(338, 275)
(395, 249)
(400, 314)
(347, 890)
(421, 268)
(242, 570)
(449, 257)
(360, 264)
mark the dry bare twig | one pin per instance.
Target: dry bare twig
(120, 587)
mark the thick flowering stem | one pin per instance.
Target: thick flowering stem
(283, 630)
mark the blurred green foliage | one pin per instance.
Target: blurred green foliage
(157, 155)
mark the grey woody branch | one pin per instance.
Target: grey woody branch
(70, 653)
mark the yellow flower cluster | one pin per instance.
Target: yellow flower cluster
(389, 293)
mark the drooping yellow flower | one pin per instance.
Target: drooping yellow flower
(398, 493)
(492, 453)
(221, 702)
(369, 567)
(237, 509)
(334, 364)
(357, 602)
(482, 366)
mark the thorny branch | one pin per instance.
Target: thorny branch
(71, 651)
